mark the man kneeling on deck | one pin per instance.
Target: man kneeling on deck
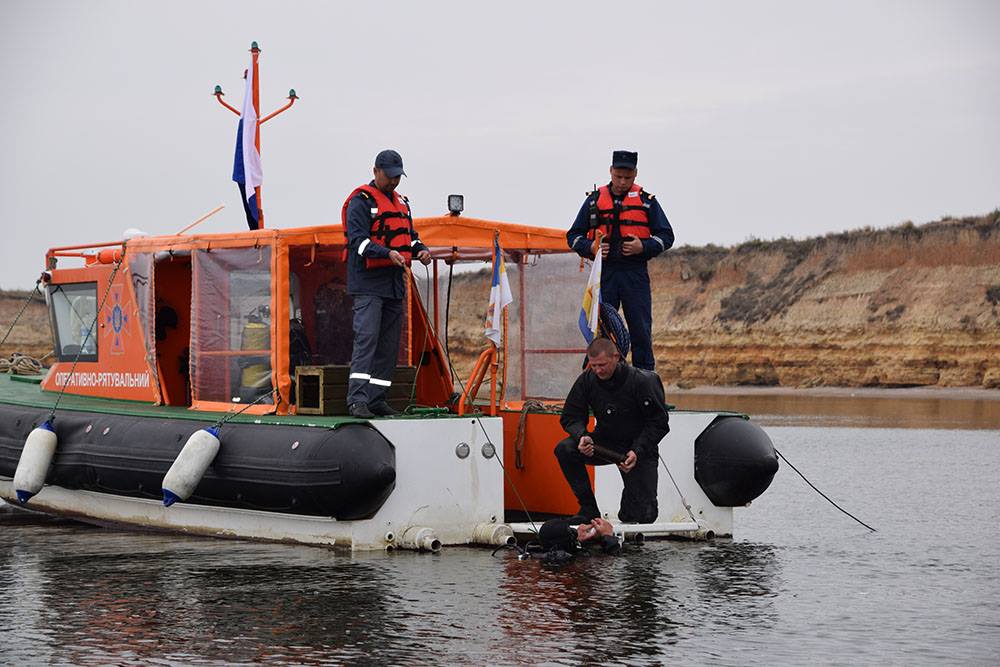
(627, 403)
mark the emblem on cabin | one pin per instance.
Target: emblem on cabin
(116, 320)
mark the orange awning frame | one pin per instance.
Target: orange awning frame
(460, 238)
(449, 238)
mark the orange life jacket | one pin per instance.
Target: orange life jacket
(631, 218)
(392, 223)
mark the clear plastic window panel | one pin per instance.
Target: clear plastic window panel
(546, 353)
(231, 334)
(553, 347)
(74, 307)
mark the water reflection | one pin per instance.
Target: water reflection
(863, 409)
(85, 596)
(635, 608)
(737, 569)
(801, 584)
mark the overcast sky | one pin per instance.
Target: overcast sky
(751, 119)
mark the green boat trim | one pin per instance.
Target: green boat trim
(26, 391)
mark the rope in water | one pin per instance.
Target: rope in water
(821, 493)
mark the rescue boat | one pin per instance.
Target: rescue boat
(198, 385)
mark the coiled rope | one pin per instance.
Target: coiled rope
(22, 364)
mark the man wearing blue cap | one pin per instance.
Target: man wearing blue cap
(635, 229)
(381, 242)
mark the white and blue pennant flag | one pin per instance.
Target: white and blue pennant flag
(500, 296)
(590, 310)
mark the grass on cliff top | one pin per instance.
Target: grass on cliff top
(984, 225)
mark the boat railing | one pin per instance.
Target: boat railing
(104, 256)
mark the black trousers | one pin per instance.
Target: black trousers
(638, 503)
(631, 290)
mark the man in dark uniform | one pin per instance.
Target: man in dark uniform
(380, 242)
(635, 229)
(627, 403)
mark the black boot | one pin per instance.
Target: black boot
(360, 410)
(382, 409)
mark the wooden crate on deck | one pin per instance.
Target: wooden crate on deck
(322, 390)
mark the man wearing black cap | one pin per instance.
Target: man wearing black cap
(380, 243)
(634, 229)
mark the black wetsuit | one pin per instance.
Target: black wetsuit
(631, 415)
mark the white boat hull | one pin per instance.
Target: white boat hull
(439, 495)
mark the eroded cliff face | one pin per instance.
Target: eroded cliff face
(901, 307)
(908, 306)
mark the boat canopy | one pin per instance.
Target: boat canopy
(209, 320)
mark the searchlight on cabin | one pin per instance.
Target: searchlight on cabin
(456, 204)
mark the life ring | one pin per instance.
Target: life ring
(612, 326)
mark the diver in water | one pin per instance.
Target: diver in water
(561, 542)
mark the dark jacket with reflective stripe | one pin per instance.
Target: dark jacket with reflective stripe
(386, 282)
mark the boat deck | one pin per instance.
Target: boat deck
(25, 390)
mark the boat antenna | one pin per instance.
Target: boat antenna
(255, 54)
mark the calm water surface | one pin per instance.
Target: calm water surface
(800, 583)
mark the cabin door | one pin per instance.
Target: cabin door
(172, 284)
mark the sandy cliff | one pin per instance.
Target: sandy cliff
(906, 306)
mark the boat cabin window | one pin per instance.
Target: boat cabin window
(73, 307)
(231, 331)
(545, 349)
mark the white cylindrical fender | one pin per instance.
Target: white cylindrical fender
(420, 539)
(33, 466)
(190, 465)
(494, 534)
